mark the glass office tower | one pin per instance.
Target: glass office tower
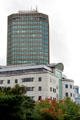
(28, 38)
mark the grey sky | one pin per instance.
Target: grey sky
(64, 17)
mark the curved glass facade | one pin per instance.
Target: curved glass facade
(28, 38)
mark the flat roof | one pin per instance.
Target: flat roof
(24, 67)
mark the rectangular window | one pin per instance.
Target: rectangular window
(1, 81)
(39, 88)
(54, 90)
(50, 88)
(66, 85)
(71, 86)
(66, 94)
(8, 81)
(16, 80)
(71, 94)
(27, 79)
(30, 88)
(39, 79)
(39, 98)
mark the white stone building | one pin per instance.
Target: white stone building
(68, 88)
(40, 80)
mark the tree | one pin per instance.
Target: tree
(70, 109)
(29, 107)
(14, 105)
(11, 107)
(47, 110)
(17, 90)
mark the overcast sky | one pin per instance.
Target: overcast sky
(64, 20)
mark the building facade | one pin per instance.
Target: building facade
(68, 88)
(40, 80)
(77, 95)
(76, 90)
(28, 38)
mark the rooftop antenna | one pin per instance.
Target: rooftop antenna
(36, 6)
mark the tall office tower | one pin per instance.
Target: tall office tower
(28, 38)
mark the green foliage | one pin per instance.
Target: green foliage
(11, 107)
(14, 105)
(29, 107)
(56, 110)
(17, 90)
(70, 109)
(47, 110)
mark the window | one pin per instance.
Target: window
(29, 88)
(50, 88)
(8, 81)
(71, 94)
(54, 90)
(66, 94)
(27, 79)
(40, 88)
(39, 98)
(16, 80)
(71, 86)
(66, 85)
(1, 81)
(39, 79)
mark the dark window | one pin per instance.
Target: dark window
(40, 88)
(71, 86)
(71, 94)
(66, 94)
(1, 81)
(39, 79)
(16, 80)
(8, 81)
(54, 90)
(27, 79)
(50, 88)
(39, 98)
(29, 88)
(66, 85)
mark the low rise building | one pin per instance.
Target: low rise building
(68, 88)
(77, 95)
(40, 81)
